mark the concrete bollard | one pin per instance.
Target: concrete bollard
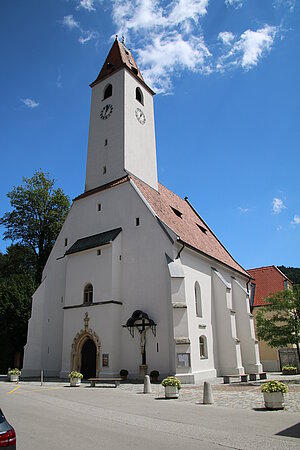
(207, 394)
(147, 385)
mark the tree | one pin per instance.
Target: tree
(293, 273)
(38, 213)
(278, 323)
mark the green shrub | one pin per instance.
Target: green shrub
(154, 373)
(171, 381)
(289, 367)
(123, 372)
(14, 372)
(75, 374)
(274, 386)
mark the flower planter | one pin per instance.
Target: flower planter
(14, 378)
(154, 380)
(75, 382)
(289, 372)
(274, 400)
(171, 392)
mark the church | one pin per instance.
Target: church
(136, 279)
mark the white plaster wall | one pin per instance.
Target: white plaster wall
(104, 320)
(245, 328)
(112, 129)
(87, 267)
(227, 347)
(142, 272)
(140, 150)
(33, 359)
(198, 269)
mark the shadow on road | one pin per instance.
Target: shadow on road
(293, 431)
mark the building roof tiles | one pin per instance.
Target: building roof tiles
(267, 280)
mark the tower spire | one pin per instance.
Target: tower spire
(118, 57)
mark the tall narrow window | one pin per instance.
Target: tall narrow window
(88, 294)
(107, 91)
(139, 95)
(198, 302)
(203, 347)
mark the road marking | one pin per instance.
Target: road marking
(13, 390)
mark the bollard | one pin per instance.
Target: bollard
(147, 385)
(207, 394)
(42, 377)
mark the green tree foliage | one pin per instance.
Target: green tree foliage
(293, 273)
(17, 285)
(278, 323)
(37, 215)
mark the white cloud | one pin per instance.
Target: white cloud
(243, 210)
(168, 54)
(187, 10)
(278, 205)
(87, 36)
(168, 38)
(29, 102)
(249, 48)
(235, 3)
(58, 80)
(86, 4)
(70, 22)
(290, 4)
(226, 37)
(296, 220)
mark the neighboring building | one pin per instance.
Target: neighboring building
(266, 281)
(136, 278)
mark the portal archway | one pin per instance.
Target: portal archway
(85, 355)
(88, 359)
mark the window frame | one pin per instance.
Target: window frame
(88, 294)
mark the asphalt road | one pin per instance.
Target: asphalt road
(57, 417)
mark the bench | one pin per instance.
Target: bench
(242, 377)
(258, 376)
(110, 380)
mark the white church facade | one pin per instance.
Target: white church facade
(136, 279)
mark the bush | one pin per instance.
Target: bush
(75, 374)
(289, 367)
(123, 373)
(274, 386)
(154, 374)
(171, 381)
(14, 372)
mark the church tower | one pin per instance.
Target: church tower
(122, 130)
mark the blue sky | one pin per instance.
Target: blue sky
(226, 73)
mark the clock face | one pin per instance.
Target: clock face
(106, 111)
(140, 116)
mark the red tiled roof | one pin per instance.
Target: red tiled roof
(268, 280)
(189, 226)
(119, 56)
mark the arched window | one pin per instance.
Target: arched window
(139, 95)
(88, 294)
(198, 302)
(203, 347)
(107, 91)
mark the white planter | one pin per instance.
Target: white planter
(14, 378)
(75, 381)
(274, 400)
(171, 392)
